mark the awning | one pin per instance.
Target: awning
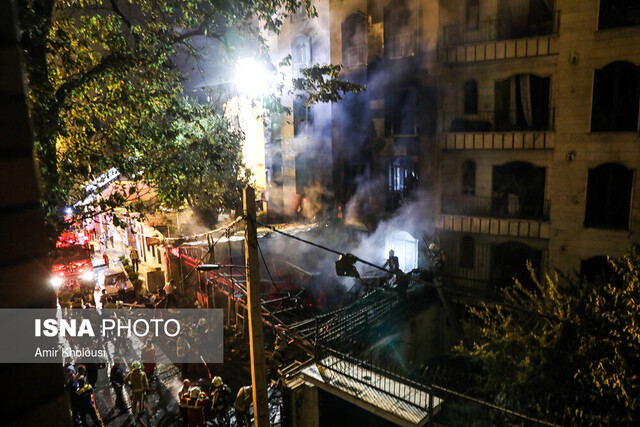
(383, 396)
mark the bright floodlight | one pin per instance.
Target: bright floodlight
(69, 211)
(252, 78)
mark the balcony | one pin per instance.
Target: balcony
(482, 269)
(508, 206)
(353, 57)
(500, 130)
(399, 45)
(523, 36)
(509, 215)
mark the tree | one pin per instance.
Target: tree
(570, 350)
(103, 83)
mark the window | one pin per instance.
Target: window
(467, 252)
(403, 178)
(299, 14)
(525, 18)
(302, 117)
(468, 178)
(473, 14)
(616, 94)
(509, 262)
(518, 191)
(276, 166)
(305, 167)
(400, 112)
(608, 197)
(618, 13)
(398, 30)
(300, 54)
(353, 41)
(597, 270)
(522, 103)
(471, 97)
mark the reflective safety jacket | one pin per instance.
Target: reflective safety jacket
(137, 379)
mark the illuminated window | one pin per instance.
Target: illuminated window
(405, 247)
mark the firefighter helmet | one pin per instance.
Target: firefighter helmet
(136, 365)
(216, 382)
(195, 392)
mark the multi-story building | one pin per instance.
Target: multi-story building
(538, 102)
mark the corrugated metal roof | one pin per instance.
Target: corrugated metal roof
(388, 398)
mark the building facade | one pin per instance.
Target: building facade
(538, 137)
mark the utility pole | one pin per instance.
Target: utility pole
(254, 302)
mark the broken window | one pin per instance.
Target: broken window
(471, 97)
(467, 252)
(353, 41)
(403, 178)
(302, 117)
(400, 112)
(608, 197)
(468, 178)
(616, 94)
(618, 13)
(398, 30)
(473, 14)
(518, 191)
(300, 55)
(522, 103)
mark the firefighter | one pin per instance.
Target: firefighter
(86, 403)
(242, 405)
(183, 395)
(195, 403)
(220, 401)
(392, 262)
(137, 380)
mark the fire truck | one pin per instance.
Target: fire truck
(72, 269)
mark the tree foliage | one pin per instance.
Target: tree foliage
(104, 89)
(570, 350)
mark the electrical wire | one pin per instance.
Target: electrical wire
(325, 248)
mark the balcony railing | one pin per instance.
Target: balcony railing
(484, 270)
(353, 57)
(497, 29)
(523, 120)
(509, 206)
(399, 45)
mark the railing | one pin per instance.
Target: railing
(353, 57)
(501, 29)
(480, 271)
(541, 119)
(514, 207)
(400, 45)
